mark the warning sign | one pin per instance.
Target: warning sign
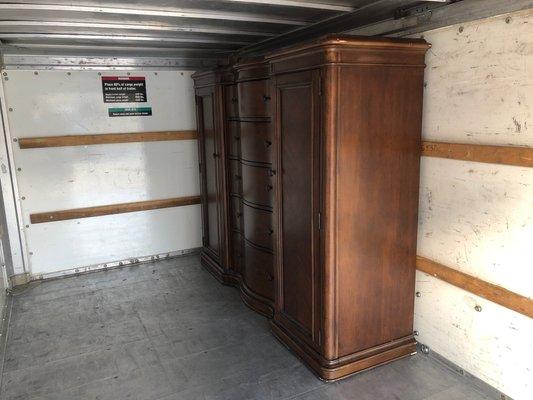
(124, 89)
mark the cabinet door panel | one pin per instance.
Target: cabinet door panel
(298, 299)
(209, 148)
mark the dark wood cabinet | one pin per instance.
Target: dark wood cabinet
(319, 181)
(212, 175)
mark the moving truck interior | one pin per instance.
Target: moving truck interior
(247, 199)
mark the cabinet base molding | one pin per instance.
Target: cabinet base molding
(333, 370)
(251, 300)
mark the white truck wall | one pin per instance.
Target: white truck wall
(474, 217)
(59, 102)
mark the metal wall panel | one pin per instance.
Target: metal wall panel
(478, 217)
(59, 102)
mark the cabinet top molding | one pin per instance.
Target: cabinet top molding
(350, 50)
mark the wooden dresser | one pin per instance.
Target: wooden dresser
(309, 170)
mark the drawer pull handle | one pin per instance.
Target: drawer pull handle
(266, 98)
(269, 188)
(271, 172)
(268, 143)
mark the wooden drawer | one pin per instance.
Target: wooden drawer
(257, 185)
(235, 213)
(237, 252)
(256, 141)
(233, 139)
(259, 271)
(254, 98)
(235, 177)
(231, 101)
(258, 226)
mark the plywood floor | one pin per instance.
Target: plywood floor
(169, 331)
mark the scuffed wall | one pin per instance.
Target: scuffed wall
(474, 217)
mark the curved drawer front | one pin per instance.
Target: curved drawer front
(254, 98)
(257, 185)
(237, 252)
(235, 177)
(231, 101)
(256, 141)
(234, 139)
(235, 212)
(258, 226)
(259, 271)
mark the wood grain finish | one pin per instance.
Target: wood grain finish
(87, 212)
(258, 227)
(479, 287)
(378, 137)
(108, 138)
(298, 300)
(370, 110)
(507, 155)
(254, 98)
(245, 130)
(344, 115)
(257, 185)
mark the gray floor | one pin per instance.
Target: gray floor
(169, 331)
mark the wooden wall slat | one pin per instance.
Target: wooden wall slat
(107, 138)
(508, 155)
(87, 212)
(481, 288)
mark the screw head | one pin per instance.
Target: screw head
(424, 349)
(68, 73)
(418, 294)
(19, 169)
(10, 109)
(23, 198)
(5, 74)
(35, 73)
(415, 333)
(15, 140)
(508, 20)
(461, 29)
(6, 78)
(27, 226)
(478, 308)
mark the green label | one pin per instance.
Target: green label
(130, 111)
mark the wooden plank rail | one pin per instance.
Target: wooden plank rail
(112, 209)
(508, 155)
(107, 138)
(481, 288)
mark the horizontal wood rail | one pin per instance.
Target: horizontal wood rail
(508, 155)
(106, 138)
(112, 209)
(481, 288)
